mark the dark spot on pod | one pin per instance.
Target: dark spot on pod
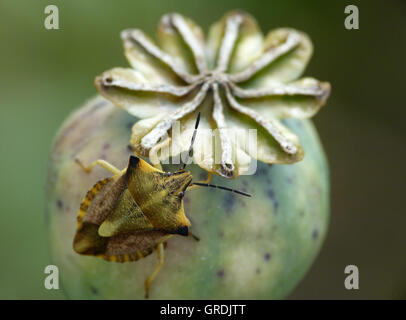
(130, 125)
(299, 124)
(267, 256)
(261, 171)
(59, 203)
(258, 271)
(228, 202)
(202, 176)
(94, 290)
(220, 273)
(106, 146)
(100, 104)
(221, 234)
(103, 156)
(315, 234)
(271, 195)
(289, 180)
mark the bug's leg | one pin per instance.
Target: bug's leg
(152, 276)
(193, 187)
(100, 162)
(194, 236)
(207, 181)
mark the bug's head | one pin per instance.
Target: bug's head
(177, 182)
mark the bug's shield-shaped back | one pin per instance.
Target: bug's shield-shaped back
(158, 195)
(124, 218)
(112, 226)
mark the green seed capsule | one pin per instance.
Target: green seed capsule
(249, 248)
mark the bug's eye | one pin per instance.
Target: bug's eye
(181, 195)
(184, 231)
(168, 174)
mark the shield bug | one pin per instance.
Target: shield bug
(133, 213)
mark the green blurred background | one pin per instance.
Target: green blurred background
(45, 74)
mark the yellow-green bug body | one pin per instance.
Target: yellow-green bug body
(140, 199)
(128, 216)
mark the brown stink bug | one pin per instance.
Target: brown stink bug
(129, 215)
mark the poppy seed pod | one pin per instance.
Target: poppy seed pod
(249, 248)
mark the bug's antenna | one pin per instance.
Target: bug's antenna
(190, 152)
(220, 187)
(182, 193)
